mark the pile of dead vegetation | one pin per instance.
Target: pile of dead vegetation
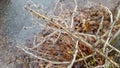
(82, 38)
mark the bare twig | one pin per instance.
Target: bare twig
(61, 8)
(110, 13)
(73, 14)
(115, 37)
(83, 58)
(38, 57)
(57, 37)
(84, 34)
(109, 35)
(107, 63)
(112, 24)
(74, 55)
(118, 15)
(53, 62)
(112, 47)
(100, 25)
(35, 46)
(100, 66)
(58, 2)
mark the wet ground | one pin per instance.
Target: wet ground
(13, 18)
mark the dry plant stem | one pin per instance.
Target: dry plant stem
(35, 46)
(37, 52)
(58, 1)
(100, 26)
(111, 17)
(111, 46)
(38, 23)
(34, 41)
(73, 14)
(73, 36)
(74, 55)
(38, 57)
(107, 58)
(107, 63)
(110, 50)
(112, 24)
(118, 15)
(97, 42)
(61, 9)
(110, 13)
(44, 26)
(95, 59)
(109, 34)
(84, 34)
(83, 58)
(57, 37)
(33, 4)
(29, 49)
(117, 35)
(48, 65)
(53, 62)
(105, 34)
(100, 66)
(87, 44)
(66, 24)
